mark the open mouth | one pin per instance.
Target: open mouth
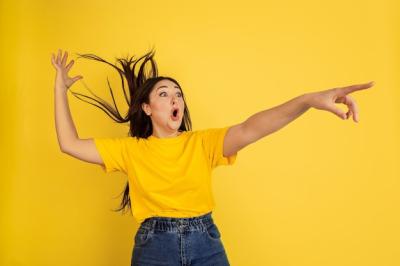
(175, 114)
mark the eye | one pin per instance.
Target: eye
(179, 94)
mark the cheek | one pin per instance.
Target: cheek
(158, 106)
(161, 110)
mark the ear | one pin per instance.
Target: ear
(146, 108)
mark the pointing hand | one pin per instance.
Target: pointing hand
(325, 100)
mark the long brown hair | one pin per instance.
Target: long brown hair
(140, 86)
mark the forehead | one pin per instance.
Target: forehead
(164, 84)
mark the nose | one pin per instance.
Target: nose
(174, 100)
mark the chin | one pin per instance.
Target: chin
(175, 125)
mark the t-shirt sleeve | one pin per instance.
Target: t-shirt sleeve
(213, 143)
(112, 151)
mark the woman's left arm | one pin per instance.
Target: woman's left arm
(268, 121)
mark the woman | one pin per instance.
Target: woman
(168, 165)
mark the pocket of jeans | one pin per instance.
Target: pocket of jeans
(143, 235)
(213, 232)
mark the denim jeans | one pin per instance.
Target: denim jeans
(194, 241)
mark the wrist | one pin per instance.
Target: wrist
(307, 99)
(60, 88)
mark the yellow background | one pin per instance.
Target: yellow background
(321, 191)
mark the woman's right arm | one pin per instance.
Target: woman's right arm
(68, 139)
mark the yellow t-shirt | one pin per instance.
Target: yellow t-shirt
(167, 176)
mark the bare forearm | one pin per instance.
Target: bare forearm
(66, 131)
(268, 121)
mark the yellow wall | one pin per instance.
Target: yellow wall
(321, 191)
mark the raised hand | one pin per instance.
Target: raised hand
(63, 81)
(325, 100)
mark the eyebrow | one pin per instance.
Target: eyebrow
(164, 86)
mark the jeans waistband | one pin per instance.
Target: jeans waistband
(172, 223)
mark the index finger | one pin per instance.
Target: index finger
(352, 88)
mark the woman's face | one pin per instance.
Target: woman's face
(165, 97)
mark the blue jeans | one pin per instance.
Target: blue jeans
(194, 241)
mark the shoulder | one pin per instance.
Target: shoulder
(213, 131)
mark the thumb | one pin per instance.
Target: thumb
(76, 78)
(337, 111)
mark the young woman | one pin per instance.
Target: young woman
(168, 165)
